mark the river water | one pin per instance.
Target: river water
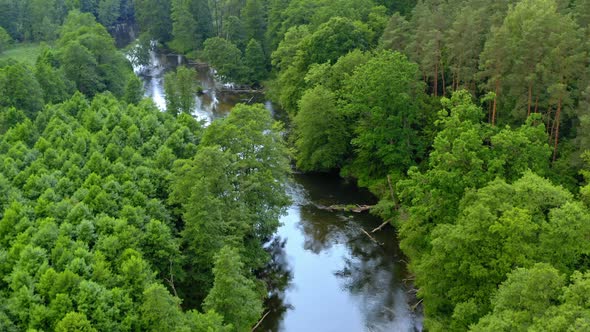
(327, 274)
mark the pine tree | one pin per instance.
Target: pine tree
(233, 295)
(184, 27)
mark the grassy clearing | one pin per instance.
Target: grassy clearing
(26, 53)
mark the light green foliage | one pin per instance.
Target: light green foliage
(160, 311)
(5, 40)
(74, 322)
(233, 295)
(499, 227)
(289, 60)
(534, 299)
(181, 89)
(207, 322)
(385, 96)
(79, 222)
(464, 156)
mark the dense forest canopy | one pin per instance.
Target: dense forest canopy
(469, 119)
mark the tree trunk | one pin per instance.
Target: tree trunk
(442, 71)
(436, 79)
(557, 115)
(530, 101)
(537, 105)
(495, 102)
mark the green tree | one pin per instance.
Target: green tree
(253, 17)
(154, 19)
(396, 34)
(56, 87)
(160, 311)
(181, 89)
(81, 67)
(74, 322)
(226, 58)
(335, 38)
(322, 139)
(524, 297)
(255, 62)
(109, 12)
(20, 89)
(5, 39)
(133, 90)
(233, 30)
(233, 295)
(184, 27)
(385, 96)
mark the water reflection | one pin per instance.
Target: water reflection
(215, 102)
(341, 279)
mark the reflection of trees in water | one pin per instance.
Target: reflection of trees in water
(278, 276)
(375, 275)
(321, 229)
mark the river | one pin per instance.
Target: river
(328, 275)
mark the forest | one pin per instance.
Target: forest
(469, 120)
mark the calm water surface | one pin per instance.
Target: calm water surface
(327, 274)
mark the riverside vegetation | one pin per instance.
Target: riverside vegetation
(468, 119)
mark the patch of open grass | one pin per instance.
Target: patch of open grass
(26, 53)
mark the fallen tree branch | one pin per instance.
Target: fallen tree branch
(260, 321)
(346, 208)
(370, 237)
(381, 226)
(416, 305)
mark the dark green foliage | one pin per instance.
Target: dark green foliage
(19, 88)
(52, 78)
(253, 19)
(226, 58)
(89, 57)
(255, 62)
(237, 191)
(184, 27)
(322, 138)
(154, 19)
(109, 12)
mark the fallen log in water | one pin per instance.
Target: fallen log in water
(346, 208)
